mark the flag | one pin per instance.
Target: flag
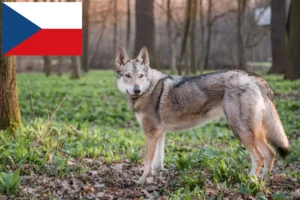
(42, 28)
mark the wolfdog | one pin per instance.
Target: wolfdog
(168, 103)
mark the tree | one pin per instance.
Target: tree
(115, 27)
(193, 37)
(10, 117)
(102, 29)
(185, 34)
(145, 29)
(292, 72)
(278, 38)
(47, 65)
(209, 34)
(60, 65)
(85, 34)
(75, 62)
(171, 45)
(128, 24)
(202, 37)
(240, 41)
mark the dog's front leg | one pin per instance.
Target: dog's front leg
(151, 145)
(158, 161)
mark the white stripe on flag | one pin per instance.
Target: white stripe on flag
(51, 15)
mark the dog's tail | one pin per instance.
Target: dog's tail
(275, 133)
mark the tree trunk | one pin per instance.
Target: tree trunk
(185, 35)
(279, 47)
(47, 65)
(292, 72)
(145, 29)
(60, 65)
(85, 30)
(193, 38)
(202, 37)
(240, 41)
(10, 117)
(75, 62)
(171, 45)
(115, 27)
(99, 39)
(187, 61)
(209, 32)
(128, 24)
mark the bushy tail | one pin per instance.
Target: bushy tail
(275, 133)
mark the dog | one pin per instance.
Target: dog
(169, 103)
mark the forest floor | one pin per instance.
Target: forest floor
(80, 141)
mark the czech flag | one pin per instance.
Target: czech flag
(42, 28)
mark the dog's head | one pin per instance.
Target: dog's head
(133, 76)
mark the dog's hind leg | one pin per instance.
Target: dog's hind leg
(256, 155)
(158, 161)
(244, 123)
(268, 153)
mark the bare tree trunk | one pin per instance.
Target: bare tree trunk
(187, 61)
(60, 65)
(171, 45)
(128, 24)
(85, 29)
(10, 117)
(145, 29)
(202, 37)
(103, 27)
(173, 55)
(240, 41)
(115, 26)
(185, 35)
(193, 38)
(292, 72)
(209, 32)
(47, 65)
(279, 47)
(75, 62)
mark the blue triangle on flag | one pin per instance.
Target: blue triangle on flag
(15, 28)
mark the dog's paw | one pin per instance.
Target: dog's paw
(141, 181)
(156, 172)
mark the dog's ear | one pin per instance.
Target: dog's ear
(143, 57)
(122, 58)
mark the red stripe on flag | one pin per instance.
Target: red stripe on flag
(60, 42)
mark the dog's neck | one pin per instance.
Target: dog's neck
(137, 103)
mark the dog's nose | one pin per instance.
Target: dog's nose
(136, 91)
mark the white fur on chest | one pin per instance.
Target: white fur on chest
(139, 116)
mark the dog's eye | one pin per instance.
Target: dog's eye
(128, 76)
(142, 75)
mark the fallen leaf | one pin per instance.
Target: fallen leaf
(278, 177)
(148, 195)
(151, 188)
(150, 180)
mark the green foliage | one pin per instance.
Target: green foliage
(94, 99)
(252, 186)
(183, 161)
(10, 182)
(279, 196)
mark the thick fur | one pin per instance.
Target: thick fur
(170, 103)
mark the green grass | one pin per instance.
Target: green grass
(67, 122)
(260, 64)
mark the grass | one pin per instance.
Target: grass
(79, 140)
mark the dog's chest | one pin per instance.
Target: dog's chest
(139, 116)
